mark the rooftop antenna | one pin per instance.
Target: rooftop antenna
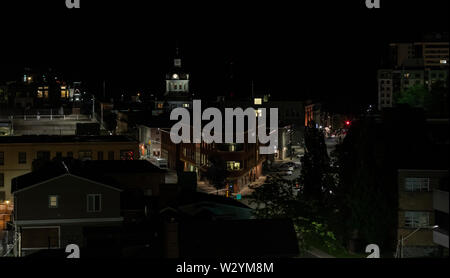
(177, 60)
(65, 167)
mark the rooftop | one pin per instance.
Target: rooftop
(98, 171)
(62, 139)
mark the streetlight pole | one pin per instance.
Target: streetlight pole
(93, 107)
(402, 239)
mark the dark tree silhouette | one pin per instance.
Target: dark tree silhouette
(217, 172)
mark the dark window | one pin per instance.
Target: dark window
(2, 158)
(44, 155)
(94, 202)
(2, 196)
(441, 219)
(2, 180)
(100, 156)
(70, 154)
(22, 157)
(59, 155)
(111, 155)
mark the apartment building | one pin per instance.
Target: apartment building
(423, 212)
(243, 161)
(393, 81)
(18, 152)
(413, 63)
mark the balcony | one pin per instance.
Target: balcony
(440, 237)
(440, 201)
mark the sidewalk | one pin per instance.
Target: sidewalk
(316, 253)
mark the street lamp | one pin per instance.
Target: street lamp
(402, 239)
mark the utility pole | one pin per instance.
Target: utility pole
(93, 106)
(253, 92)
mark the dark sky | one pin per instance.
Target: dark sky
(327, 48)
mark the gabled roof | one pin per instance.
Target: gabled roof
(96, 171)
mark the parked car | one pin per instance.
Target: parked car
(286, 168)
(286, 173)
(289, 164)
(294, 164)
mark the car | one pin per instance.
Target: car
(289, 164)
(286, 173)
(286, 168)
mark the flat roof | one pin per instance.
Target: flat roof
(63, 139)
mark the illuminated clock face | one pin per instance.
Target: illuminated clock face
(175, 76)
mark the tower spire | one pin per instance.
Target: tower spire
(177, 60)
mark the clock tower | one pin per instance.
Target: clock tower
(177, 82)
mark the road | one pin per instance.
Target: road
(331, 144)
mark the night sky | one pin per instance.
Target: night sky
(328, 49)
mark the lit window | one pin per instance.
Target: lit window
(258, 113)
(64, 92)
(258, 101)
(126, 155)
(52, 201)
(233, 165)
(160, 105)
(40, 93)
(443, 61)
(186, 105)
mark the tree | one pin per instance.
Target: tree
(366, 195)
(414, 96)
(217, 172)
(317, 176)
(276, 199)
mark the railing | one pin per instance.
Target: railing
(51, 117)
(440, 237)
